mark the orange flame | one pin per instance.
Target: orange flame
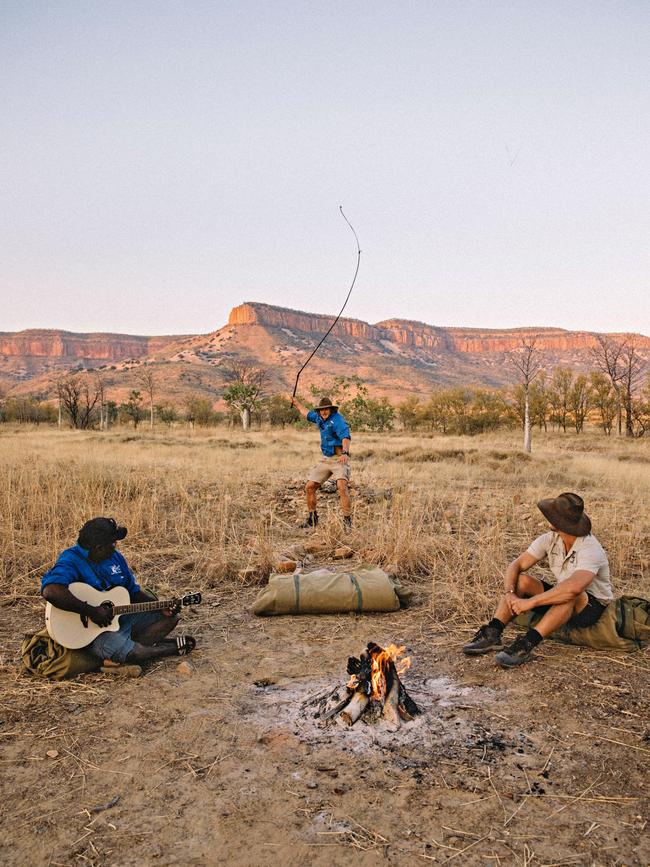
(379, 665)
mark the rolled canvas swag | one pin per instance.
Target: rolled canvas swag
(326, 592)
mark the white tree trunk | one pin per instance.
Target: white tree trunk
(527, 435)
(246, 418)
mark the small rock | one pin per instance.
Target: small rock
(312, 785)
(314, 547)
(331, 772)
(185, 668)
(52, 754)
(343, 553)
(286, 566)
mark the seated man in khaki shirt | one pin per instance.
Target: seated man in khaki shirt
(580, 595)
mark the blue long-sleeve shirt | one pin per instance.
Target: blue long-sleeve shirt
(73, 565)
(333, 431)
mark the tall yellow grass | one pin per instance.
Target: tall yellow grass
(449, 512)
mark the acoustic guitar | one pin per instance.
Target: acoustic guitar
(68, 629)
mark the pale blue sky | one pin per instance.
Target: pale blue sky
(161, 162)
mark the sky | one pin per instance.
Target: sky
(162, 162)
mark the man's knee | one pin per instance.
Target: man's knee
(528, 586)
(580, 602)
(312, 487)
(150, 633)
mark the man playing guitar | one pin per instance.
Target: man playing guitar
(94, 560)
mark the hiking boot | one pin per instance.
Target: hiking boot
(311, 521)
(347, 522)
(520, 651)
(486, 639)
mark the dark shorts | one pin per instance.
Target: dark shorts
(589, 615)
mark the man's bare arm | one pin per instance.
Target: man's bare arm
(300, 406)
(59, 596)
(524, 561)
(565, 591)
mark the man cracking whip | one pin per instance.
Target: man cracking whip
(334, 431)
(335, 445)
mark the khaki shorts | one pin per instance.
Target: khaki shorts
(329, 467)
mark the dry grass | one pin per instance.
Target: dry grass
(202, 506)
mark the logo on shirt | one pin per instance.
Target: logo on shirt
(116, 569)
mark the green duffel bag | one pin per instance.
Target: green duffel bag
(325, 592)
(623, 625)
(44, 657)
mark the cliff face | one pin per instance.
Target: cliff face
(252, 313)
(68, 346)
(417, 334)
(396, 357)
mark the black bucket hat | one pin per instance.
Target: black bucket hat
(325, 403)
(100, 531)
(567, 513)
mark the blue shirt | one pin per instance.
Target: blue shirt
(333, 431)
(73, 565)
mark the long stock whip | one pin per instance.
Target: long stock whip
(347, 298)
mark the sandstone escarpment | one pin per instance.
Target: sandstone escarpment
(418, 334)
(251, 313)
(396, 356)
(68, 346)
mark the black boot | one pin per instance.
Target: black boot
(311, 521)
(347, 522)
(520, 651)
(486, 639)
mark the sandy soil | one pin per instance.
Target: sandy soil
(543, 765)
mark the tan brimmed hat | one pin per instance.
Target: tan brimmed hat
(566, 513)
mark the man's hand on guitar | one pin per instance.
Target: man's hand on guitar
(174, 610)
(102, 614)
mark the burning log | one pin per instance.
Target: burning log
(374, 687)
(355, 707)
(391, 704)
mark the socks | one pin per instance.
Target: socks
(533, 637)
(495, 623)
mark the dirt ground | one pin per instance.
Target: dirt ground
(547, 764)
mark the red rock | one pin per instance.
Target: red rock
(343, 553)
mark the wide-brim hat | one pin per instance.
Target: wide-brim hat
(325, 403)
(566, 512)
(100, 531)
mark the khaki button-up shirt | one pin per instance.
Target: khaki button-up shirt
(586, 554)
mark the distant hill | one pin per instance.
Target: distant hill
(395, 357)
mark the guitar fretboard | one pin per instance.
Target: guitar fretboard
(141, 607)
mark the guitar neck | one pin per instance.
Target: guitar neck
(142, 607)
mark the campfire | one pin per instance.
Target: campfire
(374, 690)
